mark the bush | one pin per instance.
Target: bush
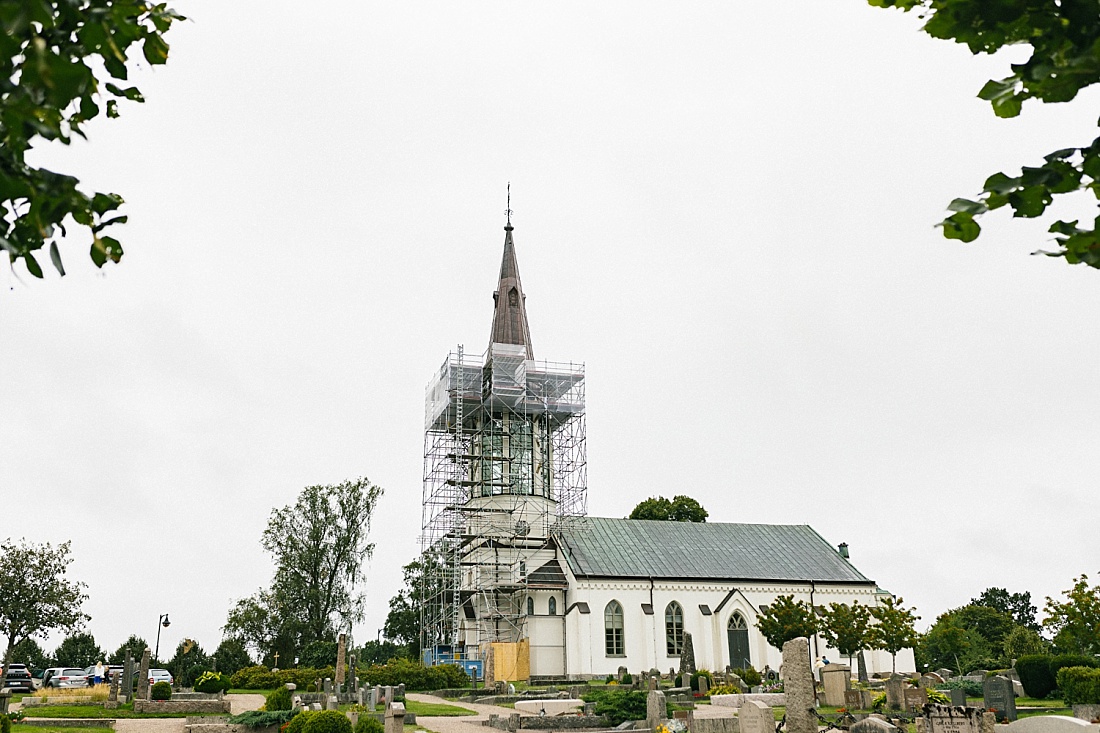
(415, 676)
(368, 724)
(211, 682)
(263, 719)
(627, 679)
(620, 705)
(701, 673)
(5, 724)
(187, 677)
(161, 691)
(1036, 675)
(279, 700)
(749, 676)
(327, 721)
(1079, 685)
(297, 722)
(970, 687)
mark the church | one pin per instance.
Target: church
(520, 583)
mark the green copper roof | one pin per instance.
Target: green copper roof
(641, 548)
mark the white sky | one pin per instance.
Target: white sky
(726, 212)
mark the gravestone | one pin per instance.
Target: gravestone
(128, 675)
(945, 673)
(400, 691)
(143, 677)
(388, 691)
(936, 677)
(704, 686)
(872, 725)
(862, 662)
(927, 681)
(1050, 724)
(836, 679)
(687, 656)
(655, 709)
(756, 717)
(353, 681)
(651, 683)
(953, 719)
(113, 694)
(958, 698)
(375, 693)
(327, 686)
(332, 702)
(853, 700)
(511, 689)
(341, 659)
(895, 695)
(915, 698)
(798, 685)
(5, 700)
(395, 718)
(361, 697)
(315, 707)
(620, 674)
(998, 696)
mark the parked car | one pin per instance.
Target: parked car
(48, 675)
(19, 679)
(68, 677)
(160, 675)
(109, 671)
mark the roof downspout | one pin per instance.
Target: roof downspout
(813, 610)
(654, 623)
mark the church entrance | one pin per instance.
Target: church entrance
(738, 632)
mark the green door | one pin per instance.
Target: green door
(738, 633)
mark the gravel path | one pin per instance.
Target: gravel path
(149, 725)
(457, 724)
(242, 703)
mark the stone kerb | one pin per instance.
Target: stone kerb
(774, 699)
(549, 707)
(872, 725)
(181, 706)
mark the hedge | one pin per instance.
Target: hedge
(327, 721)
(1079, 685)
(1039, 672)
(413, 675)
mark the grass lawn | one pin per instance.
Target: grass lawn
(87, 711)
(1035, 702)
(1029, 713)
(431, 709)
(265, 693)
(21, 728)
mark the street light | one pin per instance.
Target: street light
(164, 623)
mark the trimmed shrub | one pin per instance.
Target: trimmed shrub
(368, 724)
(628, 679)
(749, 676)
(211, 682)
(619, 705)
(1036, 675)
(297, 722)
(327, 721)
(5, 724)
(161, 691)
(972, 688)
(279, 700)
(262, 718)
(701, 673)
(1079, 685)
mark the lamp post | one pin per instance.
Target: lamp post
(164, 623)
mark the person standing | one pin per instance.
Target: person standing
(98, 672)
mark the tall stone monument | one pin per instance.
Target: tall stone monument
(656, 711)
(687, 659)
(862, 667)
(128, 675)
(798, 684)
(341, 653)
(143, 677)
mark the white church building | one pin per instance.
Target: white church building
(522, 583)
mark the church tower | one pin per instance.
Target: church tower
(504, 473)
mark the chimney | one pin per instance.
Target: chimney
(842, 548)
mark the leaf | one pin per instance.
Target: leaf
(32, 265)
(131, 93)
(1000, 183)
(1060, 154)
(55, 256)
(112, 109)
(105, 248)
(968, 206)
(961, 226)
(1029, 203)
(155, 49)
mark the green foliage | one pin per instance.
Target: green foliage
(786, 619)
(211, 682)
(1036, 675)
(403, 621)
(57, 62)
(29, 653)
(188, 662)
(319, 545)
(231, 655)
(1079, 685)
(1016, 605)
(135, 644)
(161, 691)
(939, 698)
(297, 723)
(5, 724)
(618, 704)
(1022, 641)
(368, 724)
(894, 630)
(970, 687)
(380, 652)
(1063, 38)
(265, 718)
(254, 678)
(78, 650)
(846, 628)
(628, 679)
(279, 699)
(1075, 622)
(327, 721)
(412, 674)
(318, 653)
(701, 673)
(749, 676)
(35, 597)
(680, 509)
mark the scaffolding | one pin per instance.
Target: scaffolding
(505, 471)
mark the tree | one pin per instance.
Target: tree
(231, 656)
(992, 624)
(1016, 605)
(78, 650)
(950, 643)
(319, 653)
(379, 652)
(1063, 37)
(846, 628)
(1022, 641)
(786, 619)
(35, 597)
(29, 653)
(1075, 622)
(402, 626)
(135, 644)
(895, 628)
(319, 545)
(188, 662)
(59, 61)
(680, 509)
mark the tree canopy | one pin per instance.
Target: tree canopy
(895, 628)
(1075, 621)
(1064, 38)
(62, 63)
(319, 545)
(402, 627)
(679, 509)
(846, 628)
(78, 650)
(35, 596)
(135, 644)
(1016, 605)
(786, 619)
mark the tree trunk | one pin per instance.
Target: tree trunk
(893, 662)
(7, 661)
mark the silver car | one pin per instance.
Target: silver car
(160, 675)
(68, 677)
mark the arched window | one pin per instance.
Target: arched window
(553, 608)
(674, 629)
(737, 632)
(530, 606)
(613, 630)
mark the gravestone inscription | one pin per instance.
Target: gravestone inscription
(1000, 697)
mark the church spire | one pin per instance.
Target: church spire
(509, 311)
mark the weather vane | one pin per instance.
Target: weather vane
(508, 211)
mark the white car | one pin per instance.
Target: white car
(68, 677)
(160, 675)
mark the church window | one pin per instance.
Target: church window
(674, 629)
(613, 630)
(513, 297)
(553, 608)
(530, 606)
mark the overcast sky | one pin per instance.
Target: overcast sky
(725, 210)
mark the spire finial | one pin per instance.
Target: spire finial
(508, 211)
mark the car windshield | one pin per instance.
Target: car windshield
(72, 672)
